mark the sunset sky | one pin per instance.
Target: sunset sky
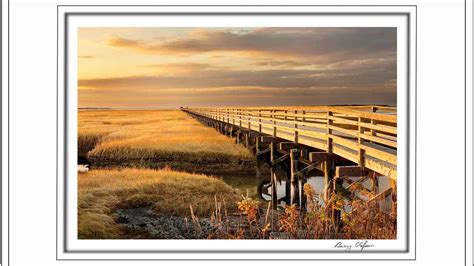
(171, 67)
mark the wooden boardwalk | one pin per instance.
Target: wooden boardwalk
(364, 136)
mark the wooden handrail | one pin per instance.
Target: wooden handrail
(357, 133)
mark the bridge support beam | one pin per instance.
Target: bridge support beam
(350, 171)
(318, 156)
(267, 139)
(288, 145)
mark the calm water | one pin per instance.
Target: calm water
(248, 185)
(244, 184)
(316, 181)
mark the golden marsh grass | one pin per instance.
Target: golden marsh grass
(157, 139)
(100, 192)
(124, 145)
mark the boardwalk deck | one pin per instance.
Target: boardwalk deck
(365, 135)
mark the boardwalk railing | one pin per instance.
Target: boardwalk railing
(366, 135)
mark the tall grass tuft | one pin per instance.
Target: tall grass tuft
(100, 192)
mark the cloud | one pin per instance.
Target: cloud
(202, 84)
(278, 78)
(278, 63)
(264, 66)
(322, 44)
(185, 67)
(123, 42)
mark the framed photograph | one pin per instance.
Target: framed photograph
(278, 132)
(236, 133)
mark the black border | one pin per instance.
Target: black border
(237, 13)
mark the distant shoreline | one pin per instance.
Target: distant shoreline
(124, 109)
(178, 108)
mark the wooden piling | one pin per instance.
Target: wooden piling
(247, 140)
(293, 170)
(330, 188)
(257, 145)
(383, 186)
(257, 161)
(328, 176)
(273, 177)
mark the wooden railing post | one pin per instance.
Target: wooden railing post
(295, 120)
(372, 121)
(329, 131)
(240, 118)
(260, 120)
(274, 124)
(249, 114)
(233, 116)
(360, 141)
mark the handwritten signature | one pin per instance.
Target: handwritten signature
(359, 246)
